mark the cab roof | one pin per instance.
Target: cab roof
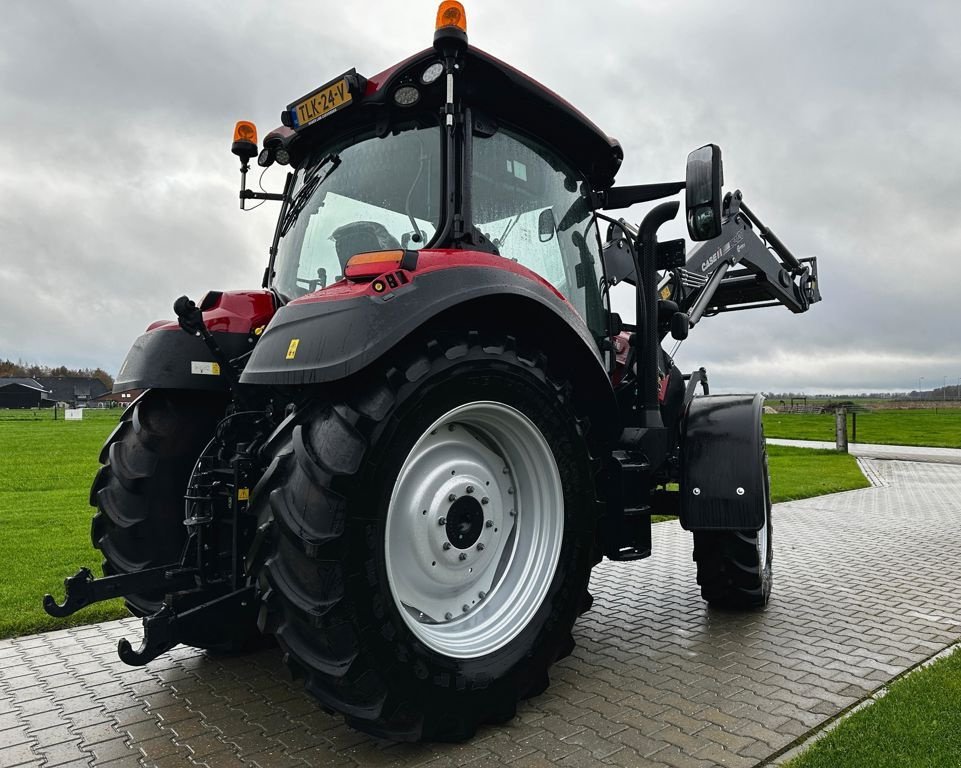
(499, 91)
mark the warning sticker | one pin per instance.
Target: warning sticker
(202, 368)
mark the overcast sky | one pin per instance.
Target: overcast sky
(838, 121)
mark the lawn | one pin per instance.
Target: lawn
(918, 723)
(798, 473)
(939, 428)
(46, 467)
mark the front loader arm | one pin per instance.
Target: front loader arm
(743, 269)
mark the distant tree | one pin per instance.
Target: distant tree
(32, 370)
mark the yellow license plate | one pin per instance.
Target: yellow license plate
(321, 103)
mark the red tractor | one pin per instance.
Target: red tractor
(402, 457)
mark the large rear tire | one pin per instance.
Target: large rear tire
(734, 568)
(394, 574)
(139, 494)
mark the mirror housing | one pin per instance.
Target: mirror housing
(704, 179)
(546, 226)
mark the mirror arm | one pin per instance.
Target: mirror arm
(625, 197)
(249, 194)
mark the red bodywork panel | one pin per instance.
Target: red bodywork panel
(231, 312)
(427, 261)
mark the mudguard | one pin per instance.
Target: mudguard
(337, 332)
(723, 474)
(165, 357)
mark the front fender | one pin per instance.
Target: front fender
(723, 482)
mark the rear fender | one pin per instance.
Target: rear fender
(329, 339)
(723, 482)
(165, 357)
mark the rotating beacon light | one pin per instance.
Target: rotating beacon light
(245, 147)
(451, 26)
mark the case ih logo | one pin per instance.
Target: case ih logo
(724, 250)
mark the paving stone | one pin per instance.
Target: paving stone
(17, 754)
(657, 678)
(67, 753)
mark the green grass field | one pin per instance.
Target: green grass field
(46, 467)
(918, 723)
(937, 428)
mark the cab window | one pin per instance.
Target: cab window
(530, 204)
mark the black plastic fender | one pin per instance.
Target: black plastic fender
(172, 359)
(722, 467)
(317, 342)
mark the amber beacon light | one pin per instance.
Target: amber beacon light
(451, 24)
(451, 14)
(245, 140)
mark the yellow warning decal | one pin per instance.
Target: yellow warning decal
(243, 494)
(292, 349)
(666, 292)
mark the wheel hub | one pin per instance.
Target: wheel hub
(465, 521)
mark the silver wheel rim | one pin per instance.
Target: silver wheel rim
(474, 529)
(763, 533)
(762, 536)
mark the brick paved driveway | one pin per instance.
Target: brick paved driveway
(866, 586)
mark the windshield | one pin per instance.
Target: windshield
(531, 205)
(362, 194)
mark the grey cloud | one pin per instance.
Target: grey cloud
(838, 121)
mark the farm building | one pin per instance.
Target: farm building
(76, 391)
(112, 399)
(17, 392)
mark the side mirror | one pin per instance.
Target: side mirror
(705, 176)
(546, 226)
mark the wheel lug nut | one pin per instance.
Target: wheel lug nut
(485, 500)
(489, 524)
(510, 491)
(450, 427)
(482, 594)
(512, 513)
(480, 546)
(448, 615)
(466, 607)
(452, 498)
(446, 545)
(470, 488)
(442, 521)
(506, 470)
(462, 556)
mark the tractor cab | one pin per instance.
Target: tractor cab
(450, 149)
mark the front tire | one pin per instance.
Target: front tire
(734, 568)
(394, 575)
